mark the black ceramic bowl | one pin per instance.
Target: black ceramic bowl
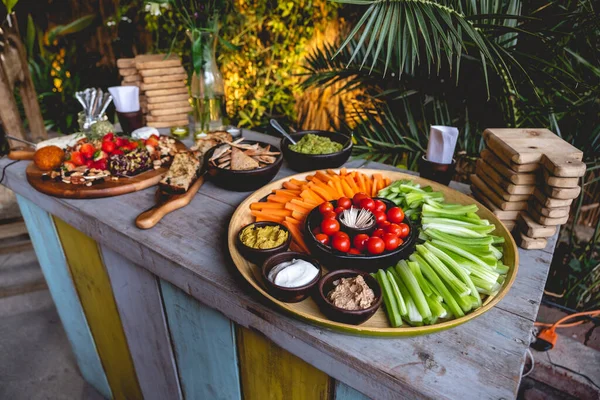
(242, 181)
(334, 259)
(354, 317)
(258, 256)
(308, 162)
(289, 295)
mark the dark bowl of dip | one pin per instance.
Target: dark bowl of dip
(289, 294)
(258, 256)
(302, 162)
(339, 314)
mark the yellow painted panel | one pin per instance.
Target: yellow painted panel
(93, 287)
(269, 372)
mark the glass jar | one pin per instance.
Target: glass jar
(207, 86)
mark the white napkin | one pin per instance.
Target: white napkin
(442, 142)
(126, 98)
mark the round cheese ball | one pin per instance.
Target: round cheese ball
(49, 158)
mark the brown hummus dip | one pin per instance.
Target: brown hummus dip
(351, 294)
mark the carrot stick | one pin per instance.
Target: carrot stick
(291, 186)
(387, 181)
(287, 193)
(368, 185)
(311, 197)
(338, 194)
(263, 205)
(322, 176)
(375, 185)
(295, 207)
(296, 235)
(267, 217)
(303, 204)
(297, 182)
(352, 184)
(322, 192)
(278, 199)
(332, 172)
(292, 221)
(347, 189)
(343, 172)
(300, 216)
(361, 182)
(325, 187)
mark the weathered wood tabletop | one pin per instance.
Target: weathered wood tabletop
(481, 359)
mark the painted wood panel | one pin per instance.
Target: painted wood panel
(56, 272)
(345, 392)
(93, 286)
(140, 307)
(205, 349)
(270, 372)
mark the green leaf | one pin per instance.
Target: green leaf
(9, 4)
(30, 37)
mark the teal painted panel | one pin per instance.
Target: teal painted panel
(345, 392)
(204, 343)
(56, 271)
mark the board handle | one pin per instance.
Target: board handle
(21, 154)
(151, 217)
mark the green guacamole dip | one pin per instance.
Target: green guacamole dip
(263, 238)
(314, 144)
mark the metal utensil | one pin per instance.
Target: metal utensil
(278, 128)
(27, 142)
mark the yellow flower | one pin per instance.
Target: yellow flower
(57, 83)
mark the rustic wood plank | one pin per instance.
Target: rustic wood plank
(189, 251)
(269, 372)
(12, 229)
(56, 272)
(139, 301)
(345, 392)
(204, 343)
(93, 286)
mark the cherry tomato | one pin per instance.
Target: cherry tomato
(329, 215)
(378, 233)
(323, 238)
(325, 207)
(108, 146)
(358, 198)
(391, 241)
(380, 206)
(339, 210)
(341, 234)
(341, 243)
(375, 245)
(354, 251)
(330, 226)
(383, 224)
(380, 216)
(404, 230)
(395, 215)
(360, 240)
(109, 136)
(344, 202)
(367, 204)
(394, 229)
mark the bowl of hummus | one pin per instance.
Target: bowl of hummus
(260, 240)
(349, 296)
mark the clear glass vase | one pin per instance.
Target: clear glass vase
(207, 87)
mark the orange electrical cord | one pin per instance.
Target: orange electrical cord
(547, 337)
(559, 324)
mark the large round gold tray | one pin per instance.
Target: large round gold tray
(378, 325)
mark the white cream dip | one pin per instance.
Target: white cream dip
(293, 273)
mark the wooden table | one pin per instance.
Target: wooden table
(163, 313)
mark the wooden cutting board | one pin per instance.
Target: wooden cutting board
(557, 181)
(499, 179)
(518, 178)
(557, 212)
(529, 243)
(108, 188)
(497, 200)
(532, 229)
(499, 190)
(499, 213)
(562, 193)
(543, 220)
(525, 146)
(550, 202)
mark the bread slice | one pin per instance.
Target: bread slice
(241, 161)
(182, 173)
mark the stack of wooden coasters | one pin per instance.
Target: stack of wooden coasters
(528, 178)
(164, 95)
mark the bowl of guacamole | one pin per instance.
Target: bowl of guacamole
(316, 150)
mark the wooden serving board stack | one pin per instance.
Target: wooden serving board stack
(528, 178)
(164, 94)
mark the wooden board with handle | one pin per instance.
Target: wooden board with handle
(499, 190)
(168, 63)
(108, 188)
(167, 92)
(497, 200)
(167, 203)
(503, 183)
(164, 78)
(550, 202)
(166, 118)
(529, 243)
(557, 181)
(532, 229)
(169, 98)
(162, 71)
(162, 85)
(544, 220)
(562, 193)
(557, 212)
(182, 104)
(21, 153)
(518, 178)
(499, 213)
(563, 166)
(525, 146)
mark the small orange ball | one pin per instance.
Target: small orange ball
(49, 158)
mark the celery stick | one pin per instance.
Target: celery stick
(484, 262)
(415, 291)
(455, 268)
(436, 308)
(497, 253)
(457, 230)
(399, 299)
(486, 272)
(414, 268)
(497, 239)
(451, 237)
(501, 268)
(439, 214)
(413, 313)
(388, 298)
(439, 285)
(482, 283)
(484, 229)
(451, 280)
(475, 300)
(463, 301)
(450, 210)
